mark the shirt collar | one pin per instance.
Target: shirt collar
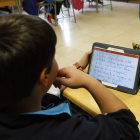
(56, 110)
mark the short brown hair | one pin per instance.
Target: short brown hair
(27, 45)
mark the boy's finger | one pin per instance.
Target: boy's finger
(88, 53)
(64, 71)
(61, 72)
(63, 81)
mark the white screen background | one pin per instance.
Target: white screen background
(114, 68)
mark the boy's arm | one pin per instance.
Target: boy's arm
(105, 99)
(83, 62)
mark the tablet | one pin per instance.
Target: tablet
(115, 67)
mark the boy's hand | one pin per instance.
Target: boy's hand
(71, 77)
(84, 61)
(74, 78)
(64, 72)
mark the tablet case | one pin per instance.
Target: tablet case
(126, 51)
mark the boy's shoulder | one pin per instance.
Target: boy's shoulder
(65, 125)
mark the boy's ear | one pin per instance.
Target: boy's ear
(44, 77)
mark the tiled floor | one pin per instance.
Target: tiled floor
(118, 27)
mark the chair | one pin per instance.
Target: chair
(54, 4)
(10, 3)
(68, 10)
(103, 5)
(48, 3)
(17, 3)
(90, 3)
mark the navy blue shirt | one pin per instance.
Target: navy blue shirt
(57, 121)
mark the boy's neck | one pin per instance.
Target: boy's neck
(29, 104)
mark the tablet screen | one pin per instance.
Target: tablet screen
(114, 67)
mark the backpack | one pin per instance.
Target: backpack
(30, 6)
(77, 4)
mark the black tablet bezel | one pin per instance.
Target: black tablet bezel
(127, 51)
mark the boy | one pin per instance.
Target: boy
(28, 69)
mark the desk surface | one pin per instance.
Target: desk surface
(8, 2)
(82, 98)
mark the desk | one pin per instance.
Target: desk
(82, 98)
(10, 3)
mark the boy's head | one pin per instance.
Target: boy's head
(27, 46)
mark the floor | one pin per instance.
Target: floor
(121, 26)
